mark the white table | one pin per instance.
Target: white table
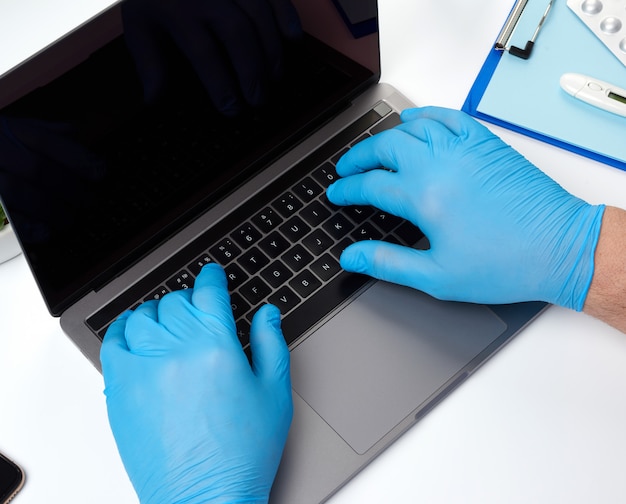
(544, 421)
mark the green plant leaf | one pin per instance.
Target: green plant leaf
(3, 218)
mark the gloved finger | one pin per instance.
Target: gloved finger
(211, 299)
(389, 149)
(287, 18)
(378, 188)
(434, 135)
(260, 12)
(210, 292)
(114, 343)
(270, 355)
(392, 263)
(455, 121)
(146, 45)
(182, 321)
(144, 334)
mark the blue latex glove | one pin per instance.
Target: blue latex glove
(235, 47)
(500, 230)
(193, 420)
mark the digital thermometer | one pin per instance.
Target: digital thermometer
(595, 92)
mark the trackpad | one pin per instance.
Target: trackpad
(377, 360)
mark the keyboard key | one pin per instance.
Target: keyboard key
(276, 274)
(366, 231)
(337, 156)
(358, 214)
(409, 233)
(225, 251)
(385, 221)
(295, 229)
(315, 213)
(199, 263)
(235, 275)
(274, 245)
(287, 204)
(253, 260)
(318, 242)
(307, 189)
(305, 284)
(297, 257)
(338, 226)
(325, 174)
(243, 331)
(326, 267)
(285, 299)
(340, 247)
(246, 235)
(326, 202)
(267, 220)
(250, 315)
(157, 294)
(360, 139)
(238, 305)
(255, 290)
(387, 123)
(182, 280)
(393, 239)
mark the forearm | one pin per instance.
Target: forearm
(606, 299)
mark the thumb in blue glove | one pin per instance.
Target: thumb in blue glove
(193, 420)
(500, 230)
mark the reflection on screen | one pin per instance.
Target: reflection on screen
(92, 176)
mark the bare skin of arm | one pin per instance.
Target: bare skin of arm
(606, 299)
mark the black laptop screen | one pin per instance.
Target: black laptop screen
(93, 177)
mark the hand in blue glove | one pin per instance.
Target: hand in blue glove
(235, 47)
(193, 420)
(500, 230)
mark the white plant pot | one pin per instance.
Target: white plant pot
(9, 246)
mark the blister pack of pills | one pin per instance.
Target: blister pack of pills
(607, 20)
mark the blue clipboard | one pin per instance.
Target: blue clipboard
(524, 95)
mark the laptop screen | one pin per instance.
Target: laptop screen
(93, 177)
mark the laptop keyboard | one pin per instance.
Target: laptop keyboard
(285, 248)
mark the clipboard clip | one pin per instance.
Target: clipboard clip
(510, 25)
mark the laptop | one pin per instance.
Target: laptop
(116, 202)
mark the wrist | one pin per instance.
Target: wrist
(213, 498)
(204, 488)
(202, 491)
(606, 299)
(572, 273)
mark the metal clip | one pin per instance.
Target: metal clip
(509, 28)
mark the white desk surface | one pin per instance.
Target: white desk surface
(544, 421)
